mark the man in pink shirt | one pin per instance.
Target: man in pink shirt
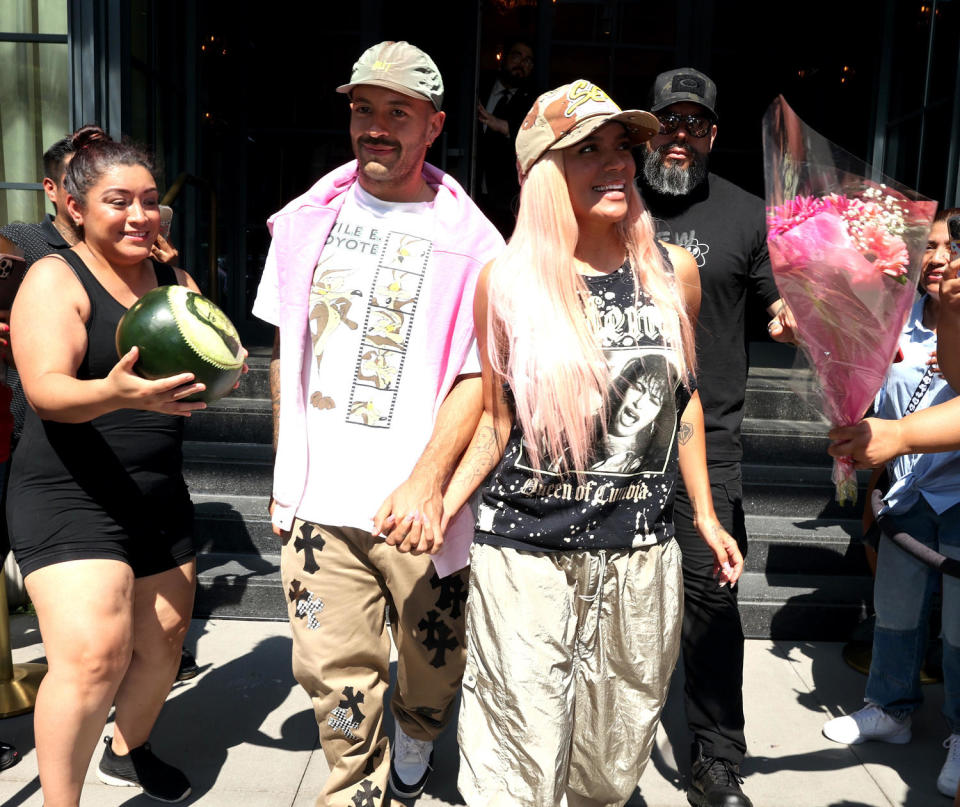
(369, 282)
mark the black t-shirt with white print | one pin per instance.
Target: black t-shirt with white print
(724, 228)
(625, 497)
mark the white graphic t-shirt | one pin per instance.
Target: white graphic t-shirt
(369, 414)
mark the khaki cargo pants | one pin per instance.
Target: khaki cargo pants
(569, 657)
(338, 584)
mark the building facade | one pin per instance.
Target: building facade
(241, 112)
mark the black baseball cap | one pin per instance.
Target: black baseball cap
(684, 84)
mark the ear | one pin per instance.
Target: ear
(50, 188)
(713, 134)
(436, 126)
(74, 210)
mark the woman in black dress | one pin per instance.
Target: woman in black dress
(99, 514)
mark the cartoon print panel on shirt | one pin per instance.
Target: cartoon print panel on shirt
(379, 367)
(403, 260)
(396, 290)
(330, 301)
(386, 328)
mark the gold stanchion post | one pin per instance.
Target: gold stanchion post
(18, 682)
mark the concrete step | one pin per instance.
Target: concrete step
(774, 393)
(256, 382)
(239, 587)
(779, 545)
(826, 608)
(233, 418)
(232, 524)
(244, 469)
(785, 442)
(799, 492)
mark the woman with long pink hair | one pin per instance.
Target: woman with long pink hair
(585, 326)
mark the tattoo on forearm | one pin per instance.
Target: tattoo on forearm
(480, 458)
(685, 432)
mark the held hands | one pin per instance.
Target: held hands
(411, 518)
(165, 395)
(728, 562)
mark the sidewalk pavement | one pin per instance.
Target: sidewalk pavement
(244, 733)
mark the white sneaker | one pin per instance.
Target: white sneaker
(868, 723)
(950, 772)
(410, 765)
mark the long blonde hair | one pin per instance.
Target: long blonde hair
(540, 339)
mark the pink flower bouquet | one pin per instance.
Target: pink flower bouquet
(845, 251)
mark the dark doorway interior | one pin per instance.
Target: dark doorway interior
(271, 122)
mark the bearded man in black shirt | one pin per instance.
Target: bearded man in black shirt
(723, 227)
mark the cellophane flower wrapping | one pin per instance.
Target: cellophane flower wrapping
(845, 246)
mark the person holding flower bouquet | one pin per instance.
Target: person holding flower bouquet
(924, 501)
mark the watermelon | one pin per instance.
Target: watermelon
(180, 331)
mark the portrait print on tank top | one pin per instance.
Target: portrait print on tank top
(619, 499)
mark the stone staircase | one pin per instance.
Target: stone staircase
(228, 465)
(806, 577)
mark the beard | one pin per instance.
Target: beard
(672, 180)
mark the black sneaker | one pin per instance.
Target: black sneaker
(9, 756)
(140, 768)
(715, 783)
(188, 666)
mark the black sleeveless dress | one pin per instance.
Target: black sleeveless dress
(111, 488)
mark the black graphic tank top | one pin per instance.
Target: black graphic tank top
(625, 497)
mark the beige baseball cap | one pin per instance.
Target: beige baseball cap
(562, 117)
(401, 67)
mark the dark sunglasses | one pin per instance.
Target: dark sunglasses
(696, 125)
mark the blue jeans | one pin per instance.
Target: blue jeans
(902, 595)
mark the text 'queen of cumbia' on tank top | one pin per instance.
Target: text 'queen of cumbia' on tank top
(624, 498)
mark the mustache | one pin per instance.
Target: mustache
(661, 150)
(378, 141)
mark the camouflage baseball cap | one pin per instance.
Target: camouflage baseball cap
(684, 84)
(401, 67)
(563, 117)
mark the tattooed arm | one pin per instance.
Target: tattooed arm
(490, 438)
(728, 562)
